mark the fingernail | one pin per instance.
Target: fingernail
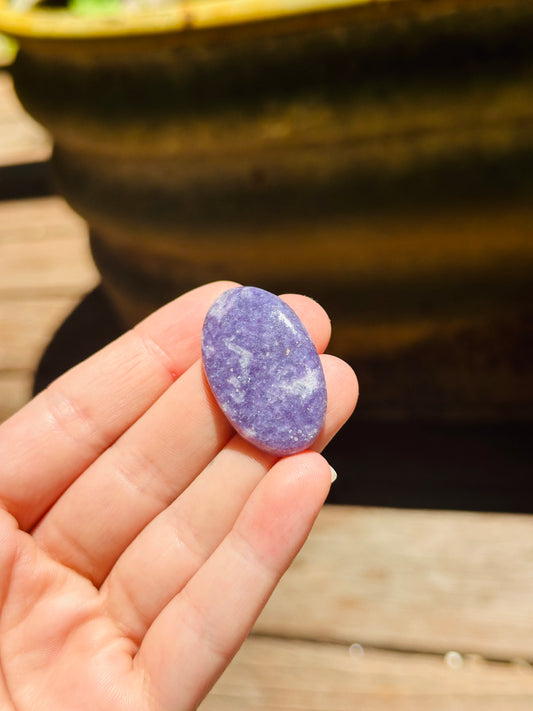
(333, 474)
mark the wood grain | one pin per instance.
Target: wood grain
(55, 266)
(15, 391)
(41, 253)
(278, 675)
(411, 580)
(26, 325)
(38, 219)
(45, 268)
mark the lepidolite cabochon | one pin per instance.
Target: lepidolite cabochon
(264, 370)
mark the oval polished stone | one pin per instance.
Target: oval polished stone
(264, 370)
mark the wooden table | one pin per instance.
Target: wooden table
(384, 610)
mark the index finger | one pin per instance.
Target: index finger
(54, 438)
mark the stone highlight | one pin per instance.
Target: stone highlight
(264, 370)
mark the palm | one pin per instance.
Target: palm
(139, 536)
(59, 647)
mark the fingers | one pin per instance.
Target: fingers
(134, 479)
(145, 469)
(58, 434)
(199, 631)
(170, 550)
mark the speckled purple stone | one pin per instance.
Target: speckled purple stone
(264, 370)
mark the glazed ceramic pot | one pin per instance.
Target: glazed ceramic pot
(376, 156)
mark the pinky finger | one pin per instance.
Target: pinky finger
(195, 637)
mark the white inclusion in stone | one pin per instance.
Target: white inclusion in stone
(245, 357)
(208, 351)
(287, 322)
(303, 387)
(237, 393)
(220, 307)
(248, 433)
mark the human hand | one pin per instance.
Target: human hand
(139, 536)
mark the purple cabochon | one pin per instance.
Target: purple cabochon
(264, 370)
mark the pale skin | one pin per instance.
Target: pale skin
(140, 537)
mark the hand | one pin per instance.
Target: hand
(139, 536)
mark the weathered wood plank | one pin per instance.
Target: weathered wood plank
(280, 675)
(54, 266)
(26, 326)
(57, 264)
(21, 138)
(15, 391)
(411, 580)
(45, 267)
(39, 219)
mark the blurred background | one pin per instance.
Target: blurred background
(375, 156)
